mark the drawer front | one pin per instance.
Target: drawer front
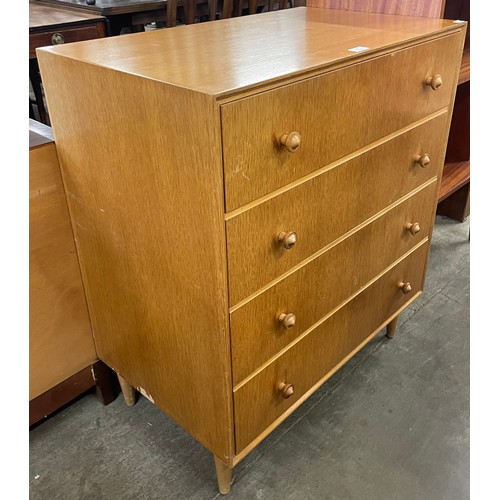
(67, 35)
(311, 292)
(259, 402)
(327, 206)
(335, 114)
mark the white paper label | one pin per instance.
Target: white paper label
(359, 48)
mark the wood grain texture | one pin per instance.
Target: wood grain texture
(129, 393)
(464, 75)
(294, 41)
(42, 16)
(457, 205)
(61, 342)
(109, 7)
(61, 394)
(143, 170)
(70, 35)
(325, 111)
(223, 473)
(258, 403)
(146, 202)
(391, 328)
(421, 8)
(455, 176)
(325, 207)
(97, 375)
(317, 288)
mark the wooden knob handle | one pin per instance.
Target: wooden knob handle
(287, 320)
(414, 227)
(405, 287)
(434, 81)
(422, 160)
(288, 240)
(286, 390)
(291, 141)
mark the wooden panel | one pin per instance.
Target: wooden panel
(464, 75)
(327, 206)
(63, 393)
(459, 137)
(97, 375)
(256, 50)
(146, 202)
(255, 163)
(110, 7)
(69, 35)
(323, 284)
(456, 205)
(41, 16)
(61, 341)
(258, 403)
(455, 176)
(421, 8)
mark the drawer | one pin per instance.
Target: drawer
(259, 402)
(311, 292)
(75, 34)
(327, 206)
(335, 114)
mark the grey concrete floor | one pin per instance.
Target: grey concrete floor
(393, 423)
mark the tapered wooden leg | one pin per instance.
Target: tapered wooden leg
(223, 476)
(128, 391)
(391, 328)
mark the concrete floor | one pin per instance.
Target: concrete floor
(393, 423)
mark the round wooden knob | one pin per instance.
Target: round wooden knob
(414, 227)
(286, 390)
(434, 81)
(287, 320)
(405, 287)
(288, 240)
(422, 160)
(291, 141)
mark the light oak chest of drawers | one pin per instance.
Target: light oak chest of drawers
(252, 201)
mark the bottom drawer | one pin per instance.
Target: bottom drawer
(260, 401)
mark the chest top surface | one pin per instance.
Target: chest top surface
(232, 55)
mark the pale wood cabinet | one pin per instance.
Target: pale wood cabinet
(252, 200)
(62, 356)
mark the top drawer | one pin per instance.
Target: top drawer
(334, 114)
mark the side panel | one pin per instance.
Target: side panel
(61, 342)
(141, 164)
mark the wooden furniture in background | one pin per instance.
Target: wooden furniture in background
(454, 192)
(224, 281)
(187, 11)
(250, 7)
(420, 8)
(62, 357)
(455, 186)
(49, 25)
(130, 14)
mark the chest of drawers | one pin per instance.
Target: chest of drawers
(252, 201)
